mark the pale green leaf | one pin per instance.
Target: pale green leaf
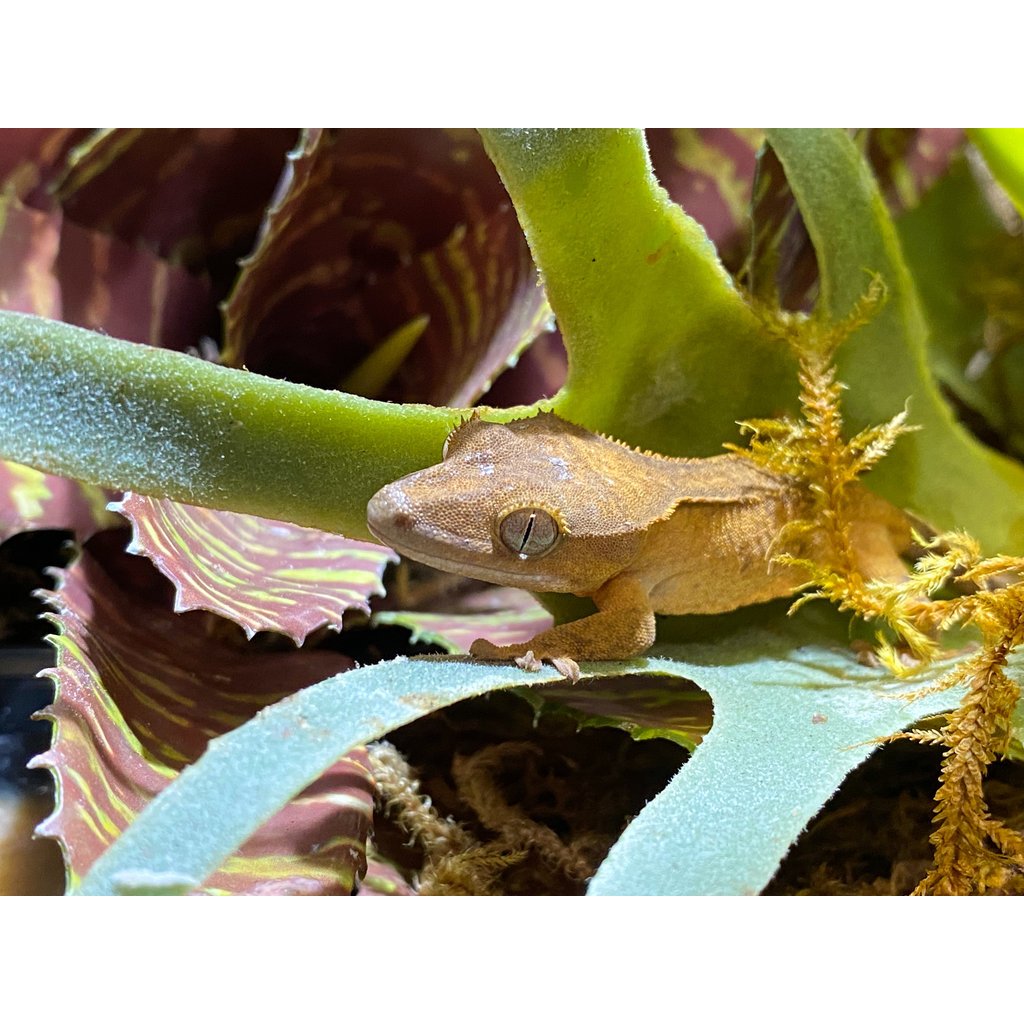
(940, 471)
(663, 350)
(1003, 149)
(131, 417)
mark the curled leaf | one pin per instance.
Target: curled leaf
(141, 692)
(371, 229)
(260, 573)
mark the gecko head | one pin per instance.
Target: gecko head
(520, 504)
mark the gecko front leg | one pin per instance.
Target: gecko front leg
(622, 627)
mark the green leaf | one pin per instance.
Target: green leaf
(663, 350)
(131, 417)
(940, 472)
(1003, 149)
(955, 247)
(792, 720)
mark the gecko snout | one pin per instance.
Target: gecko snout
(387, 513)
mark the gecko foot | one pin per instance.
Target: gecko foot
(529, 662)
(525, 659)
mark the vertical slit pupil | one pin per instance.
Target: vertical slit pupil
(527, 531)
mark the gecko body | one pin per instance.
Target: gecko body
(548, 506)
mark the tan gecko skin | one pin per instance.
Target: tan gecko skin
(550, 507)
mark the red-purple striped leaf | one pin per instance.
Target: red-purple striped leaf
(32, 158)
(30, 500)
(710, 173)
(480, 291)
(193, 195)
(372, 228)
(51, 268)
(647, 707)
(456, 631)
(908, 161)
(140, 693)
(29, 242)
(107, 285)
(262, 574)
(382, 878)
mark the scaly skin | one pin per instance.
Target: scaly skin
(638, 533)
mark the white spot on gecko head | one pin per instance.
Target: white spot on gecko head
(561, 467)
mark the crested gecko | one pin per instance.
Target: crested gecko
(544, 505)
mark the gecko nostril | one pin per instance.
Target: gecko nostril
(385, 515)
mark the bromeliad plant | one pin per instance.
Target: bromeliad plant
(400, 256)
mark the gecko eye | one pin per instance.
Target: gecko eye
(528, 531)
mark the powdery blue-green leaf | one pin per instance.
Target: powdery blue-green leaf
(245, 777)
(261, 573)
(793, 716)
(792, 720)
(199, 433)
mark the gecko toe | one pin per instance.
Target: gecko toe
(528, 662)
(566, 667)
